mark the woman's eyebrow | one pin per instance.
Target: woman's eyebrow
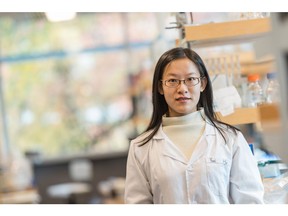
(172, 74)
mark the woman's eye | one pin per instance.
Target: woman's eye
(172, 80)
(191, 79)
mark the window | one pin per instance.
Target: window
(66, 86)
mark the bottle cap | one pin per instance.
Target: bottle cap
(271, 75)
(253, 77)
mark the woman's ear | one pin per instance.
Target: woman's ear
(160, 88)
(203, 84)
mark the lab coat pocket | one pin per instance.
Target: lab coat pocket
(218, 175)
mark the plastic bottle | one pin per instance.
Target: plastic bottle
(273, 89)
(255, 94)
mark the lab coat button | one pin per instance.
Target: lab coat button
(189, 168)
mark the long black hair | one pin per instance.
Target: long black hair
(160, 107)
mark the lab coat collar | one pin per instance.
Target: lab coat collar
(173, 152)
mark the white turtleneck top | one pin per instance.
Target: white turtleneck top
(184, 131)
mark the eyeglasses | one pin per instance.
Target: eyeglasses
(189, 82)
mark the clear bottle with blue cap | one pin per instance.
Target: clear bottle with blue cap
(273, 90)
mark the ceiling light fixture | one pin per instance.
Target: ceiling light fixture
(60, 16)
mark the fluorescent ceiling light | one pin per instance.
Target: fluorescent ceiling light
(60, 16)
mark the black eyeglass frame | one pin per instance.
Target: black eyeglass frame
(184, 81)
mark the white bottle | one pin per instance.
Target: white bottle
(273, 89)
(255, 94)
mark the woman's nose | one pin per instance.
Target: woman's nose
(182, 87)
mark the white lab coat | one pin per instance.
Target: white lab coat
(158, 172)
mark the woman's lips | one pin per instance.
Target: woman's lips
(183, 99)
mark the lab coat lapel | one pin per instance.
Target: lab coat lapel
(202, 146)
(167, 148)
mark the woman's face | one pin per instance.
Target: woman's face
(181, 99)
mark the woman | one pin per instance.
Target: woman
(186, 155)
